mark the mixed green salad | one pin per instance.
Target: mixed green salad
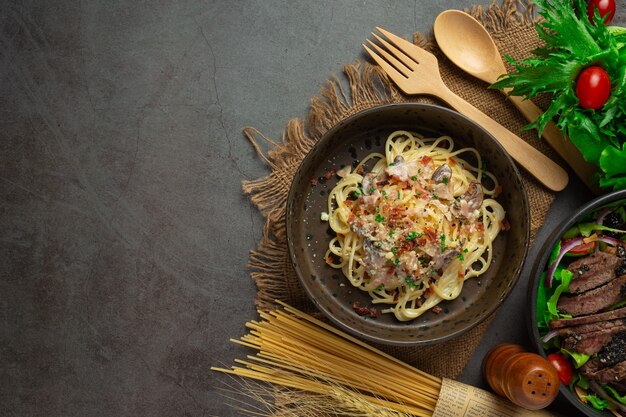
(582, 64)
(581, 308)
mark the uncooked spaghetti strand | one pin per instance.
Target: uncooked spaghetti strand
(349, 351)
(434, 381)
(407, 381)
(316, 387)
(351, 373)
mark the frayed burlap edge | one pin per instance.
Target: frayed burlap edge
(363, 86)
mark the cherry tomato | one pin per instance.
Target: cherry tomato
(582, 249)
(562, 366)
(593, 87)
(605, 7)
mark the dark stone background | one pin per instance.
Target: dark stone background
(124, 234)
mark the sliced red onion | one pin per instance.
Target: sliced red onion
(602, 215)
(569, 245)
(549, 336)
(609, 240)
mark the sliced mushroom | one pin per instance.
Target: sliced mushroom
(469, 202)
(442, 174)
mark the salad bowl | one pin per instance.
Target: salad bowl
(571, 305)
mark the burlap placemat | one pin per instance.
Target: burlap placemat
(363, 86)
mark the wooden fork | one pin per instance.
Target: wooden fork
(416, 71)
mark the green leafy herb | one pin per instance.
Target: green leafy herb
(409, 282)
(411, 236)
(461, 257)
(385, 194)
(572, 43)
(445, 180)
(443, 242)
(414, 177)
(396, 261)
(391, 233)
(380, 287)
(379, 218)
(435, 195)
(394, 251)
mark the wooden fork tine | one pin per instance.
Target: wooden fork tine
(390, 59)
(396, 76)
(406, 60)
(407, 47)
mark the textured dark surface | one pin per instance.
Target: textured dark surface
(124, 232)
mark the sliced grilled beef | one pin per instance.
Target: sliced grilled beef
(592, 271)
(590, 338)
(594, 300)
(613, 373)
(593, 318)
(610, 363)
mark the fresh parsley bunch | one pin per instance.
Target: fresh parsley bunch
(573, 43)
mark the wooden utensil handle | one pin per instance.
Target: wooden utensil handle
(553, 135)
(537, 164)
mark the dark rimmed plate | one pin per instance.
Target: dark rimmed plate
(308, 236)
(540, 265)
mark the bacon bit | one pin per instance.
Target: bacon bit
(349, 202)
(498, 190)
(329, 173)
(436, 309)
(425, 160)
(430, 233)
(421, 241)
(329, 260)
(429, 291)
(313, 182)
(480, 226)
(451, 161)
(461, 275)
(505, 225)
(395, 296)
(360, 170)
(364, 311)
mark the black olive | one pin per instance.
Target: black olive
(614, 221)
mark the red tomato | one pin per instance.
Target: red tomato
(605, 7)
(593, 87)
(562, 366)
(582, 249)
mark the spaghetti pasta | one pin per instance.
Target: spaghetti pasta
(418, 224)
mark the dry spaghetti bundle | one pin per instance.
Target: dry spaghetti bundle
(302, 353)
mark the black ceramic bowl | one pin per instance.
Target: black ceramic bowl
(541, 264)
(308, 236)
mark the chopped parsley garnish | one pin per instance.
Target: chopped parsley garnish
(419, 193)
(435, 195)
(461, 257)
(392, 164)
(380, 287)
(396, 261)
(423, 261)
(465, 250)
(354, 194)
(379, 245)
(445, 180)
(414, 177)
(385, 194)
(379, 218)
(371, 190)
(443, 242)
(409, 282)
(411, 236)
(394, 250)
(391, 233)
(419, 170)
(399, 195)
(458, 199)
(360, 187)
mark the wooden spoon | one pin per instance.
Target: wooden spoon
(468, 45)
